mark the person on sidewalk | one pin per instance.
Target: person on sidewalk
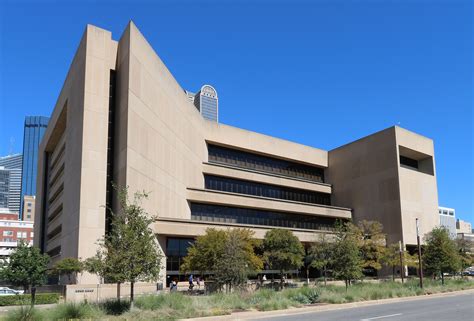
(191, 284)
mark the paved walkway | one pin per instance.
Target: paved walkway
(7, 308)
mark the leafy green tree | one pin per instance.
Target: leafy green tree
(440, 253)
(96, 265)
(466, 252)
(205, 252)
(68, 266)
(238, 259)
(346, 260)
(320, 254)
(228, 254)
(282, 251)
(26, 267)
(371, 241)
(391, 258)
(129, 251)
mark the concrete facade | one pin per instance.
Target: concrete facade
(447, 219)
(463, 227)
(368, 176)
(122, 117)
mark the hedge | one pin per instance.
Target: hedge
(41, 298)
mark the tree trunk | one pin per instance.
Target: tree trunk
(132, 293)
(442, 278)
(347, 284)
(281, 280)
(33, 295)
(325, 276)
(393, 273)
(118, 291)
(307, 275)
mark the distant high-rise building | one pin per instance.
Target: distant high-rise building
(4, 187)
(447, 219)
(29, 202)
(206, 101)
(35, 126)
(12, 165)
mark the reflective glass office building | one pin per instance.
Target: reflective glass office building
(35, 126)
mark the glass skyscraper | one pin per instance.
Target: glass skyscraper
(206, 101)
(10, 180)
(35, 126)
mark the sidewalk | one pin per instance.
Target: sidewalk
(5, 309)
(320, 307)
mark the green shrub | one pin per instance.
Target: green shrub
(174, 301)
(115, 307)
(41, 298)
(68, 311)
(312, 294)
(24, 314)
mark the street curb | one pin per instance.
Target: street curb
(253, 315)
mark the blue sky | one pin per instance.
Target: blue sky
(321, 73)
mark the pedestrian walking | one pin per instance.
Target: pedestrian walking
(191, 284)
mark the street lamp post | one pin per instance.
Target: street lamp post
(402, 269)
(420, 265)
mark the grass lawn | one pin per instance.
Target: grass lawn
(176, 305)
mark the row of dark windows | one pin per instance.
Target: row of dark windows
(248, 160)
(237, 215)
(265, 190)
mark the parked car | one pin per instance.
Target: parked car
(468, 272)
(8, 291)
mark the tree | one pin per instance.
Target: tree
(465, 248)
(371, 241)
(129, 251)
(440, 253)
(27, 267)
(320, 254)
(238, 259)
(229, 255)
(347, 260)
(68, 266)
(391, 258)
(205, 252)
(282, 251)
(96, 265)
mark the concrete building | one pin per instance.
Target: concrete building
(463, 226)
(12, 165)
(447, 219)
(121, 117)
(28, 214)
(34, 129)
(13, 230)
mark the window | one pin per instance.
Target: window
(413, 163)
(28, 210)
(32, 234)
(7, 233)
(54, 252)
(265, 190)
(176, 249)
(29, 204)
(228, 156)
(28, 216)
(21, 235)
(237, 215)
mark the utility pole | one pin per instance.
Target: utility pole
(402, 268)
(420, 265)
